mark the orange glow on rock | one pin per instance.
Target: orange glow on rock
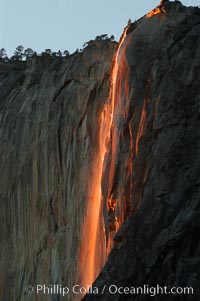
(96, 239)
(140, 129)
(115, 73)
(118, 94)
(156, 11)
(93, 248)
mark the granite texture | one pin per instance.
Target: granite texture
(157, 166)
(50, 113)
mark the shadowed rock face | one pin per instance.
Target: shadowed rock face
(158, 160)
(49, 113)
(49, 123)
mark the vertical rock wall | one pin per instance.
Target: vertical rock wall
(51, 126)
(155, 179)
(49, 122)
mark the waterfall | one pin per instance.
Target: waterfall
(94, 243)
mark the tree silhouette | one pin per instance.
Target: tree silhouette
(2, 53)
(29, 53)
(129, 21)
(18, 54)
(66, 53)
(101, 37)
(48, 52)
(59, 53)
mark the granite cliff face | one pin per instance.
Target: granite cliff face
(96, 144)
(155, 157)
(49, 124)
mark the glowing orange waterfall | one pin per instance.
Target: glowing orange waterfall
(114, 75)
(119, 94)
(97, 234)
(92, 249)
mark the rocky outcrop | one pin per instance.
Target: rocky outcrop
(49, 113)
(156, 163)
